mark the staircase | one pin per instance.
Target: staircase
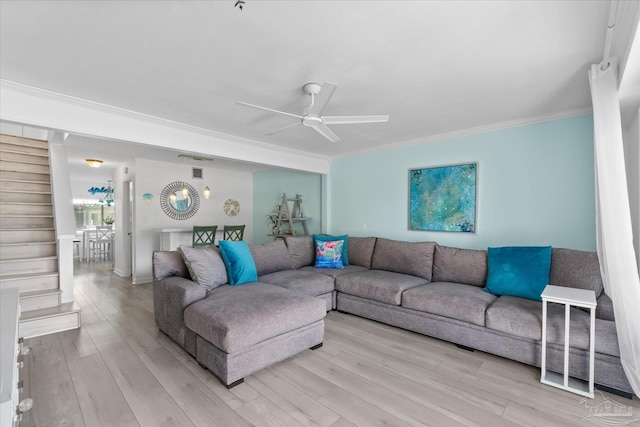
(28, 249)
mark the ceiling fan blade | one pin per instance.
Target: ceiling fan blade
(322, 99)
(326, 132)
(246, 104)
(344, 120)
(283, 129)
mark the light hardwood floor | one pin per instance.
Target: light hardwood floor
(119, 370)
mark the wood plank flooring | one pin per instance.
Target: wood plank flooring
(119, 370)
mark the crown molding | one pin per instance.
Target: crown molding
(140, 118)
(470, 131)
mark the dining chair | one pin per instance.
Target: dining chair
(100, 244)
(204, 235)
(233, 232)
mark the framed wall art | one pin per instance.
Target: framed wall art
(443, 198)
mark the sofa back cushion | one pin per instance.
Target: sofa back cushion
(167, 264)
(271, 257)
(205, 265)
(576, 269)
(413, 258)
(361, 250)
(301, 250)
(459, 265)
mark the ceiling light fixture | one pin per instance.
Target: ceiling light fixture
(206, 192)
(94, 163)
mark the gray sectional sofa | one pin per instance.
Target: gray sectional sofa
(419, 286)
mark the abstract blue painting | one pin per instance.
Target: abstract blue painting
(443, 198)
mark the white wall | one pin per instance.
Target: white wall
(631, 139)
(122, 175)
(153, 176)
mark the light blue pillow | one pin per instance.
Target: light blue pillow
(237, 258)
(345, 246)
(519, 271)
(329, 254)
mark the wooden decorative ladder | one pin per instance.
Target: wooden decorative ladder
(28, 249)
(288, 218)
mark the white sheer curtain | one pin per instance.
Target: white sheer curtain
(613, 219)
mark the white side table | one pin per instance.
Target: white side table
(569, 297)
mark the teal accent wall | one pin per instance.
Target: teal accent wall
(268, 186)
(535, 187)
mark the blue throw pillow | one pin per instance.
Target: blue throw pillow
(329, 254)
(519, 271)
(237, 258)
(345, 246)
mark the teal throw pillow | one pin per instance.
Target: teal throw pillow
(237, 258)
(345, 246)
(519, 271)
(329, 254)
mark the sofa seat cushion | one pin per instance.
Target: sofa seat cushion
(334, 272)
(378, 285)
(307, 282)
(233, 318)
(454, 300)
(523, 318)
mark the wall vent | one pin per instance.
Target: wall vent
(197, 173)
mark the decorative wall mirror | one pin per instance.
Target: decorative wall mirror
(179, 200)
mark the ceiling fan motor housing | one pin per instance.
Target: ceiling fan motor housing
(312, 88)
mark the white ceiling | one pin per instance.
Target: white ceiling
(434, 66)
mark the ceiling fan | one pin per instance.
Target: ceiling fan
(312, 115)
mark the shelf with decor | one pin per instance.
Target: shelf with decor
(285, 223)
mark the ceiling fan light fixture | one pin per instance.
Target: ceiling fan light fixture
(94, 163)
(312, 115)
(311, 121)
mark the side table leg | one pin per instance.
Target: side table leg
(543, 356)
(592, 350)
(567, 323)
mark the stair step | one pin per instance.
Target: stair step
(26, 221)
(28, 250)
(33, 159)
(49, 320)
(38, 300)
(24, 149)
(32, 235)
(31, 282)
(9, 208)
(25, 186)
(25, 176)
(18, 196)
(13, 266)
(24, 167)
(18, 140)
